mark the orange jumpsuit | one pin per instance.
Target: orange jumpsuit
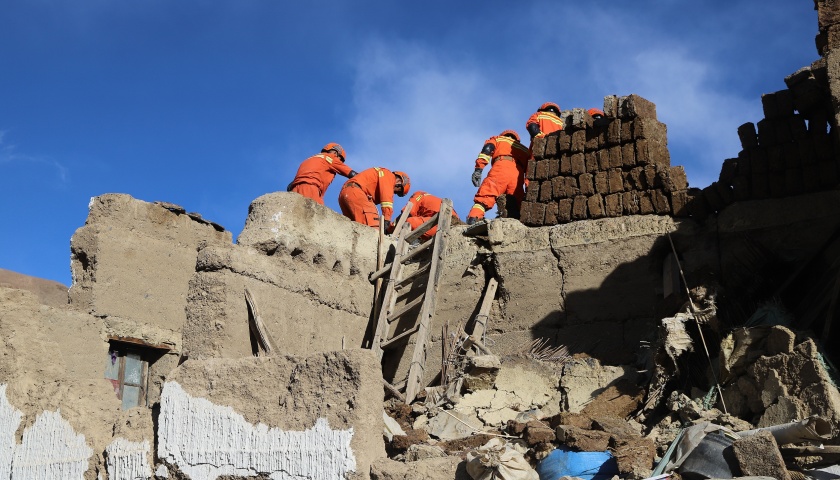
(425, 206)
(507, 174)
(548, 122)
(316, 173)
(361, 194)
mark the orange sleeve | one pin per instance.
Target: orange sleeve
(339, 167)
(532, 119)
(483, 159)
(385, 191)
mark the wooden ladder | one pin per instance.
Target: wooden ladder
(398, 285)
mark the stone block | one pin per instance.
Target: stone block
(551, 210)
(566, 164)
(770, 106)
(713, 197)
(559, 187)
(650, 129)
(615, 156)
(672, 179)
(698, 208)
(766, 133)
(613, 205)
(611, 106)
(637, 178)
(532, 193)
(602, 185)
(760, 186)
(628, 155)
(633, 106)
(603, 159)
(790, 156)
(538, 146)
(828, 13)
(586, 184)
(758, 456)
(776, 184)
(616, 180)
(748, 135)
(652, 176)
(630, 203)
(571, 187)
(796, 126)
(532, 214)
(581, 439)
(553, 167)
(794, 181)
(775, 161)
(578, 141)
(626, 135)
(564, 142)
(578, 164)
(652, 153)
(741, 188)
(531, 169)
(645, 203)
(590, 160)
(618, 400)
(579, 211)
(661, 205)
(564, 210)
(537, 432)
(679, 204)
(591, 140)
(634, 456)
(728, 170)
(758, 160)
(807, 154)
(595, 203)
(546, 191)
(614, 132)
(541, 170)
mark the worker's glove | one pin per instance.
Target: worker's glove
(533, 129)
(476, 177)
(352, 174)
(471, 220)
(388, 227)
(289, 186)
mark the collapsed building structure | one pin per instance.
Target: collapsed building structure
(156, 366)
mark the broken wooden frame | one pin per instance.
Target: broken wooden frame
(265, 344)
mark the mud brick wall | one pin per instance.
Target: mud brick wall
(614, 166)
(789, 152)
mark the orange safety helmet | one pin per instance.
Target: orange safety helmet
(406, 186)
(510, 133)
(336, 147)
(595, 112)
(549, 106)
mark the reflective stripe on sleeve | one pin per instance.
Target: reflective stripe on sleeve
(480, 207)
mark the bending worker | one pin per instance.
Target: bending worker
(317, 172)
(375, 186)
(424, 206)
(509, 160)
(544, 121)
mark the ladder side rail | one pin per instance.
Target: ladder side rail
(389, 298)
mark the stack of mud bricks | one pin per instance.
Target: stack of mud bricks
(618, 165)
(789, 152)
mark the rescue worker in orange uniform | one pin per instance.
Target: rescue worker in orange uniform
(509, 160)
(317, 172)
(424, 206)
(375, 186)
(544, 121)
(596, 113)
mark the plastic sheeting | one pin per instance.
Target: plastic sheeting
(564, 462)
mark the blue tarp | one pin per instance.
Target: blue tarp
(565, 462)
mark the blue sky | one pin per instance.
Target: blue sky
(210, 104)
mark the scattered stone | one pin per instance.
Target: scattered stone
(758, 455)
(421, 452)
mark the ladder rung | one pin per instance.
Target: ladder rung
(399, 337)
(405, 281)
(408, 306)
(420, 249)
(400, 386)
(428, 224)
(380, 273)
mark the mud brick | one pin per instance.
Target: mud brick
(525, 213)
(679, 203)
(661, 205)
(578, 141)
(784, 102)
(599, 131)
(770, 106)
(793, 181)
(775, 162)
(531, 169)
(616, 181)
(741, 188)
(655, 153)
(811, 178)
(614, 132)
(651, 130)
(564, 142)
(564, 210)
(776, 184)
(832, 39)
(579, 208)
(546, 191)
(728, 171)
(822, 146)
(626, 131)
(790, 155)
(595, 203)
(798, 77)
(645, 203)
(615, 156)
(541, 170)
(637, 179)
(633, 106)
(766, 133)
(571, 187)
(630, 203)
(758, 160)
(828, 173)
(652, 177)
(586, 185)
(537, 214)
(807, 154)
(744, 163)
(602, 184)
(698, 208)
(628, 155)
(549, 145)
(797, 127)
(828, 13)
(672, 179)
(603, 159)
(725, 192)
(538, 147)
(712, 197)
(611, 106)
(578, 164)
(590, 160)
(760, 185)
(576, 120)
(558, 186)
(783, 133)
(746, 133)
(532, 194)
(553, 167)
(551, 210)
(566, 164)
(612, 205)
(809, 96)
(626, 180)
(591, 140)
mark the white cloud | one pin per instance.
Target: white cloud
(10, 155)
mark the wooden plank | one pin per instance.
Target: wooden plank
(389, 297)
(405, 308)
(393, 341)
(255, 323)
(393, 391)
(418, 359)
(418, 250)
(425, 227)
(480, 327)
(409, 279)
(381, 268)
